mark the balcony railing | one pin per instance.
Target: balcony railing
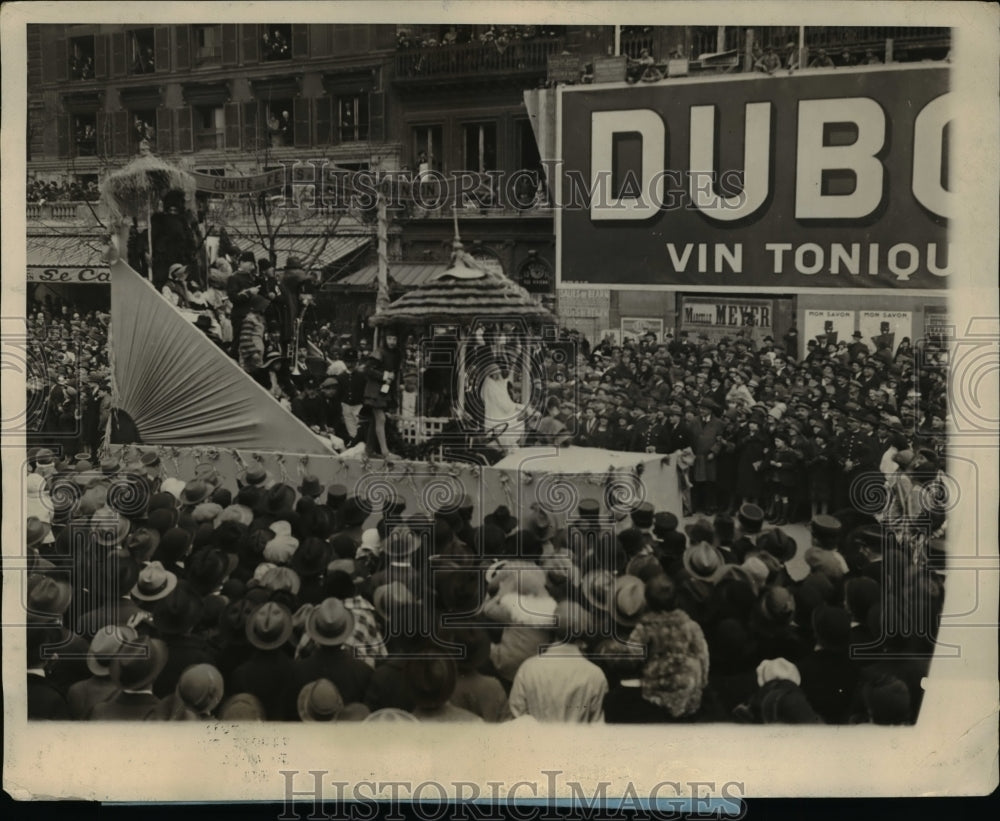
(476, 59)
(63, 211)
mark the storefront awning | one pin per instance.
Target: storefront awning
(65, 251)
(404, 274)
(314, 253)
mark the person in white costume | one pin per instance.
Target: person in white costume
(500, 410)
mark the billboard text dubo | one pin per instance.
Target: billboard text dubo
(814, 180)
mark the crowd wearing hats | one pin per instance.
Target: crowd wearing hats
(752, 423)
(68, 380)
(272, 602)
(182, 598)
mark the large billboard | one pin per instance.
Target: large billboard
(824, 179)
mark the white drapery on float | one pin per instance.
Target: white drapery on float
(180, 389)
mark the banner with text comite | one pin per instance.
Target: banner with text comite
(818, 179)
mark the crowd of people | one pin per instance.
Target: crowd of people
(771, 59)
(69, 380)
(180, 598)
(498, 35)
(268, 601)
(65, 190)
(274, 45)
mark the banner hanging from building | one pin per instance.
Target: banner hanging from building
(820, 179)
(211, 184)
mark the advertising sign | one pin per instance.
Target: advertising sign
(716, 318)
(813, 180)
(74, 275)
(828, 326)
(887, 327)
(635, 328)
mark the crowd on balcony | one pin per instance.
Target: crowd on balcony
(770, 59)
(274, 46)
(81, 67)
(69, 189)
(498, 35)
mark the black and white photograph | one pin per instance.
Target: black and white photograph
(530, 368)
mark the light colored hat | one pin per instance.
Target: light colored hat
(771, 669)
(281, 549)
(320, 700)
(371, 540)
(175, 487)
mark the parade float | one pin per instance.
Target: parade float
(178, 395)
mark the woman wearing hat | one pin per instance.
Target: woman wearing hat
(175, 290)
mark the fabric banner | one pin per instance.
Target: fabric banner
(212, 184)
(180, 389)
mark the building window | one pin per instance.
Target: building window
(352, 118)
(141, 51)
(207, 45)
(427, 148)
(143, 129)
(276, 42)
(529, 188)
(81, 58)
(279, 123)
(480, 147)
(209, 127)
(85, 134)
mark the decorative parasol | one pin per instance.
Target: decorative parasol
(132, 190)
(137, 188)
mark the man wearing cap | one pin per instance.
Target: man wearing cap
(706, 442)
(855, 455)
